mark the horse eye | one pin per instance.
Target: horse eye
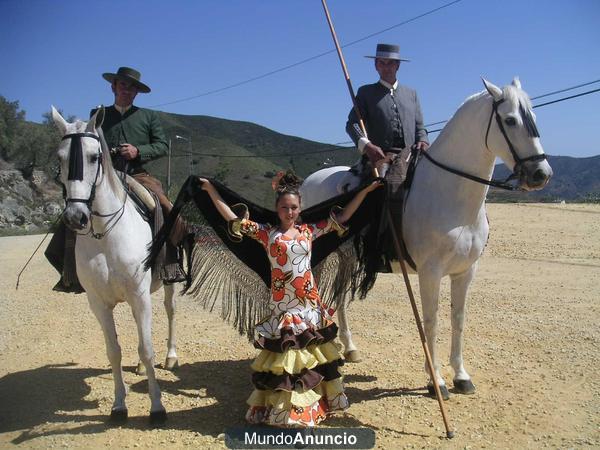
(94, 158)
(510, 121)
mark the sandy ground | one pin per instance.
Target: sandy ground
(532, 347)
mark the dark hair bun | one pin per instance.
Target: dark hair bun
(289, 183)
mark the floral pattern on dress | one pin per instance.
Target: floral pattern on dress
(293, 288)
(295, 307)
(278, 250)
(279, 280)
(300, 254)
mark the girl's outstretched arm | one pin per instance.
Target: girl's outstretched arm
(351, 207)
(218, 201)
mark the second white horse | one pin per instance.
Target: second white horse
(445, 225)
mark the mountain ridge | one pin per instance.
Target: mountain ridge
(243, 155)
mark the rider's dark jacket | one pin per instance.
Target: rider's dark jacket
(391, 120)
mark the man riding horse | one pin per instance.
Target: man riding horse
(391, 111)
(135, 137)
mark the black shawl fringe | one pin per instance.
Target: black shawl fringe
(218, 275)
(238, 273)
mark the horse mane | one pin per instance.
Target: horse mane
(515, 95)
(107, 167)
(519, 97)
(473, 97)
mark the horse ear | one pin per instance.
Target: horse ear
(100, 117)
(516, 82)
(59, 121)
(494, 90)
(96, 120)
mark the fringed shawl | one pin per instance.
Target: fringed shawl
(238, 273)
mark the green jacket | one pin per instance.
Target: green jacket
(138, 126)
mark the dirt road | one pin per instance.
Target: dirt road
(532, 346)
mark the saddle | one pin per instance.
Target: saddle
(145, 201)
(148, 206)
(398, 178)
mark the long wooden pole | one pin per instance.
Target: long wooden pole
(413, 304)
(346, 76)
(436, 387)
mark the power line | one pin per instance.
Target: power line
(566, 98)
(565, 90)
(534, 98)
(548, 103)
(312, 58)
(336, 148)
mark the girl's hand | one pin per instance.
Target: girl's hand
(374, 185)
(205, 184)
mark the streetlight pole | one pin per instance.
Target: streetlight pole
(169, 170)
(189, 140)
(191, 160)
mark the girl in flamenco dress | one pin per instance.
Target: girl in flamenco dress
(296, 373)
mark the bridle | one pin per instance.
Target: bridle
(76, 165)
(531, 129)
(76, 174)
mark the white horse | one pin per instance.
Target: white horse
(111, 246)
(445, 226)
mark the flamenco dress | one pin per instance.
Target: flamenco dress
(296, 376)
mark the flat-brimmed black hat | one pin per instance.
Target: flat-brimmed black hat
(128, 74)
(388, 51)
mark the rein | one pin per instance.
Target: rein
(531, 129)
(494, 183)
(76, 173)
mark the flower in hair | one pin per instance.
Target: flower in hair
(276, 179)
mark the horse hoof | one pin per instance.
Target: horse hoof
(158, 417)
(443, 390)
(140, 369)
(171, 363)
(118, 416)
(352, 356)
(464, 387)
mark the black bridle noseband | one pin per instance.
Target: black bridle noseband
(76, 174)
(532, 131)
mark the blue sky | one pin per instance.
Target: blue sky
(54, 52)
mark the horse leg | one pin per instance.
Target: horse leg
(350, 352)
(142, 312)
(429, 283)
(459, 287)
(171, 363)
(104, 314)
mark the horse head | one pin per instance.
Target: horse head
(80, 156)
(512, 135)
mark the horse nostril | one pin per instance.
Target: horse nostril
(83, 220)
(539, 175)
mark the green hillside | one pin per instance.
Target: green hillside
(243, 155)
(574, 179)
(248, 154)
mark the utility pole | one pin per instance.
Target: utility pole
(169, 170)
(190, 159)
(189, 140)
